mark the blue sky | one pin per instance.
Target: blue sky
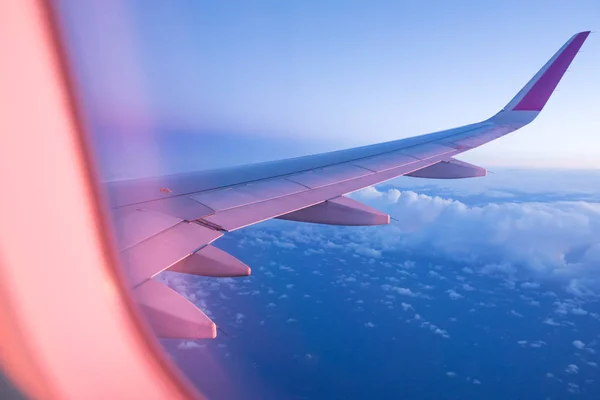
(194, 85)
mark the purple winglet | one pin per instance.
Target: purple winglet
(540, 92)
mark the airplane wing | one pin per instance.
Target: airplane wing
(169, 222)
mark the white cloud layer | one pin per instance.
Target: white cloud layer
(558, 240)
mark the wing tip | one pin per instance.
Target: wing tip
(534, 95)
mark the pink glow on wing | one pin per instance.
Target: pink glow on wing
(539, 94)
(170, 314)
(339, 211)
(211, 261)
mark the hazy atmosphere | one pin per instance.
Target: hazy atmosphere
(197, 84)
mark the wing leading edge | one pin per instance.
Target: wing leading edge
(169, 222)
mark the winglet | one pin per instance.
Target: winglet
(535, 94)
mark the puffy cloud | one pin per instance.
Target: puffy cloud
(369, 324)
(367, 251)
(401, 290)
(579, 344)
(572, 369)
(189, 345)
(530, 285)
(551, 322)
(239, 318)
(368, 193)
(578, 311)
(516, 314)
(454, 295)
(557, 240)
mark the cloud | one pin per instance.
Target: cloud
(572, 369)
(578, 311)
(557, 241)
(423, 323)
(551, 322)
(189, 345)
(537, 344)
(530, 285)
(406, 306)
(579, 344)
(451, 374)
(454, 295)
(369, 324)
(239, 318)
(367, 251)
(516, 314)
(405, 291)
(402, 291)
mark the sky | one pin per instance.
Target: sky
(198, 85)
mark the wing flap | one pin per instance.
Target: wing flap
(339, 211)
